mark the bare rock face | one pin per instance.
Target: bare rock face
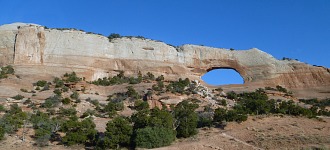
(34, 50)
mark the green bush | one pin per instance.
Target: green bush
(40, 83)
(2, 132)
(178, 86)
(67, 112)
(88, 112)
(187, 119)
(58, 82)
(2, 108)
(153, 137)
(118, 79)
(57, 92)
(13, 119)
(112, 107)
(113, 36)
(71, 77)
(24, 90)
(74, 95)
(66, 101)
(5, 71)
(132, 93)
(140, 105)
(51, 102)
(18, 97)
(78, 132)
(119, 132)
(231, 95)
(281, 89)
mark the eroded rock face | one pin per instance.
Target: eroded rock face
(34, 50)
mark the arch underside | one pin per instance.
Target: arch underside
(222, 74)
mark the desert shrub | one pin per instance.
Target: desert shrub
(140, 105)
(13, 119)
(5, 71)
(74, 95)
(113, 36)
(58, 82)
(87, 113)
(57, 92)
(118, 133)
(204, 120)
(178, 86)
(223, 102)
(66, 101)
(187, 118)
(159, 86)
(141, 118)
(2, 133)
(18, 97)
(132, 80)
(2, 108)
(67, 112)
(281, 89)
(24, 90)
(78, 132)
(232, 95)
(270, 88)
(51, 102)
(112, 107)
(45, 128)
(71, 77)
(315, 102)
(65, 89)
(221, 115)
(118, 79)
(153, 137)
(160, 78)
(40, 83)
(149, 76)
(132, 93)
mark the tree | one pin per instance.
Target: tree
(45, 128)
(153, 137)
(118, 133)
(141, 118)
(113, 36)
(78, 132)
(132, 93)
(161, 118)
(186, 119)
(141, 105)
(219, 115)
(13, 119)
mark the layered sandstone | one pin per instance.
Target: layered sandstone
(34, 50)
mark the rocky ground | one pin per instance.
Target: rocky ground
(258, 132)
(262, 132)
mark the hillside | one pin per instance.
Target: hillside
(69, 89)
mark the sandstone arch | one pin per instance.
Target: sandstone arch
(222, 76)
(34, 50)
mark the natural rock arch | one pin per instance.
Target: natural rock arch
(224, 68)
(34, 50)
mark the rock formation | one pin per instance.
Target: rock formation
(35, 50)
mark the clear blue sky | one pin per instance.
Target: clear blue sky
(297, 29)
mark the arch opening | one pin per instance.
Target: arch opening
(222, 76)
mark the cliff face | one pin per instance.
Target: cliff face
(34, 50)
